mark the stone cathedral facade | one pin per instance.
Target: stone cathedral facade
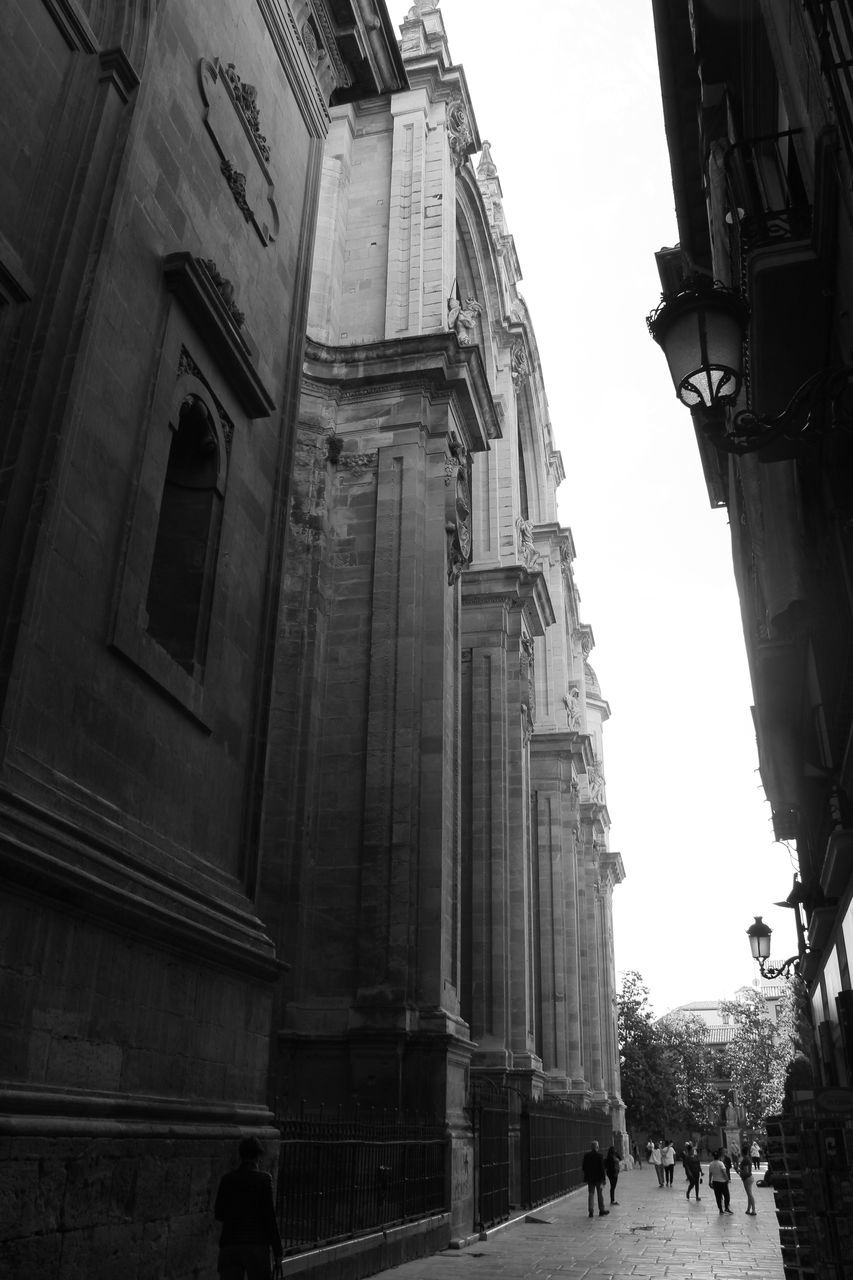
(438, 870)
(301, 766)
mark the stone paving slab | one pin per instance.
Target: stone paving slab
(653, 1232)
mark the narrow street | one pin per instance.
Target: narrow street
(652, 1232)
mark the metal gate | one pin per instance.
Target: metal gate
(491, 1162)
(554, 1138)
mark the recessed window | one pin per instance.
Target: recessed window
(180, 587)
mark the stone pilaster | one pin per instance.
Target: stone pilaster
(503, 610)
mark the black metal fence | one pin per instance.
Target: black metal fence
(491, 1162)
(342, 1175)
(554, 1139)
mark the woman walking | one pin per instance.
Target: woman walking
(718, 1176)
(693, 1169)
(747, 1178)
(611, 1168)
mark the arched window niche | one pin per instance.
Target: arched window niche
(183, 564)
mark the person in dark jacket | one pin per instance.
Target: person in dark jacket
(593, 1176)
(611, 1168)
(244, 1206)
(692, 1168)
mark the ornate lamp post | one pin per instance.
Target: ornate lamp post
(701, 328)
(759, 935)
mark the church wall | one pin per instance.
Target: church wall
(137, 978)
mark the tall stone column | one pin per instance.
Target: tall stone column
(503, 609)
(590, 952)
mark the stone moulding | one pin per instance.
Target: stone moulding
(194, 287)
(434, 361)
(60, 862)
(36, 1111)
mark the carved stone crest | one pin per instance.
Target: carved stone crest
(459, 131)
(232, 118)
(519, 365)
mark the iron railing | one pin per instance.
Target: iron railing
(341, 1175)
(491, 1160)
(767, 198)
(554, 1139)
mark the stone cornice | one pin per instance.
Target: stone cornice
(206, 918)
(433, 362)
(512, 587)
(611, 863)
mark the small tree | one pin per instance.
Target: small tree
(760, 1052)
(694, 1069)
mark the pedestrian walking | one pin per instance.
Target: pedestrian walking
(244, 1206)
(718, 1177)
(693, 1169)
(650, 1146)
(611, 1168)
(635, 1152)
(668, 1161)
(657, 1161)
(594, 1176)
(755, 1154)
(747, 1178)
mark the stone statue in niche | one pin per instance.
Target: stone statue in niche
(463, 319)
(572, 703)
(519, 367)
(526, 546)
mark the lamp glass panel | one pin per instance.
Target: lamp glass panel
(703, 346)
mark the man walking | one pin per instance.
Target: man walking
(594, 1176)
(244, 1206)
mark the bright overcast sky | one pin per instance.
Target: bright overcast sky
(568, 95)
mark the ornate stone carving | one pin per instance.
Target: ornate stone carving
(459, 131)
(358, 463)
(457, 523)
(463, 320)
(225, 289)
(309, 39)
(527, 549)
(519, 366)
(233, 123)
(595, 782)
(246, 99)
(420, 7)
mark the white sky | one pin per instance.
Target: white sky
(568, 95)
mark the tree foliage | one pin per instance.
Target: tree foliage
(760, 1052)
(665, 1067)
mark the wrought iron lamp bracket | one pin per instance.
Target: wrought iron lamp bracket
(784, 970)
(830, 390)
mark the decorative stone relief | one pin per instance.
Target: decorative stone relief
(421, 7)
(457, 479)
(246, 100)
(232, 119)
(527, 549)
(463, 320)
(527, 650)
(358, 463)
(225, 289)
(519, 366)
(595, 781)
(459, 131)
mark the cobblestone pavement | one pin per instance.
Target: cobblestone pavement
(652, 1232)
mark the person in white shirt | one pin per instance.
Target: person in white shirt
(668, 1161)
(718, 1176)
(657, 1161)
